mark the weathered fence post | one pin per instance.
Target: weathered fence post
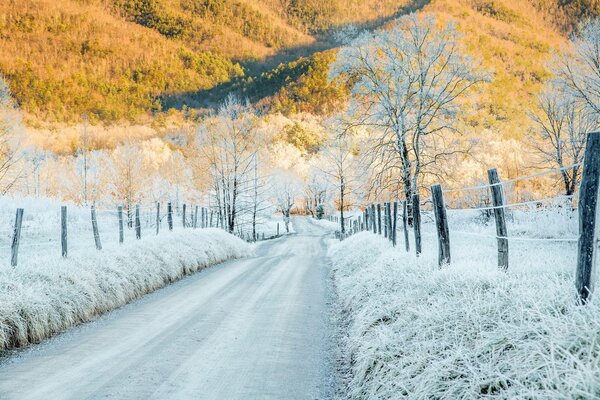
(388, 212)
(498, 203)
(138, 226)
(588, 214)
(373, 219)
(379, 218)
(183, 222)
(441, 223)
(157, 217)
(394, 224)
(278, 229)
(95, 228)
(385, 220)
(63, 230)
(405, 224)
(16, 237)
(196, 217)
(120, 215)
(170, 215)
(416, 214)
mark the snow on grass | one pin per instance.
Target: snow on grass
(467, 330)
(46, 295)
(323, 223)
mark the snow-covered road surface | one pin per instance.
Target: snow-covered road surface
(246, 329)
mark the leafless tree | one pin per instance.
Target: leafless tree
(338, 164)
(9, 140)
(228, 143)
(562, 125)
(408, 83)
(286, 190)
(315, 192)
(577, 67)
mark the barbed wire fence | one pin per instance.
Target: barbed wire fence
(494, 203)
(76, 229)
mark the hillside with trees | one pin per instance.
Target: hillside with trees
(133, 61)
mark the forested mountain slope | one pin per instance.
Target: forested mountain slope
(131, 60)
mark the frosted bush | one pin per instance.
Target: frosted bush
(468, 330)
(46, 295)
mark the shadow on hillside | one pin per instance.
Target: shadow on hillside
(253, 87)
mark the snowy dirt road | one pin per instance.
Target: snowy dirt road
(247, 329)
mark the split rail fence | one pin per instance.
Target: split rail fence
(383, 218)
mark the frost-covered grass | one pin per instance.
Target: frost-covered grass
(467, 330)
(323, 223)
(46, 295)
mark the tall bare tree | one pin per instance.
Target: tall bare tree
(338, 164)
(562, 126)
(408, 82)
(228, 143)
(577, 67)
(9, 140)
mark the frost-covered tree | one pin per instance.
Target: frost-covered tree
(228, 144)
(408, 82)
(338, 163)
(562, 124)
(577, 67)
(286, 189)
(315, 192)
(9, 139)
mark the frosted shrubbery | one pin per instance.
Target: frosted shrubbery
(45, 295)
(467, 330)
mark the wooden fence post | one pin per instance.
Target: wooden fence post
(170, 215)
(388, 211)
(588, 214)
(95, 228)
(379, 218)
(394, 224)
(441, 223)
(138, 226)
(120, 215)
(405, 224)
(16, 237)
(416, 214)
(373, 219)
(196, 217)
(386, 227)
(278, 229)
(501, 231)
(63, 230)
(183, 222)
(157, 217)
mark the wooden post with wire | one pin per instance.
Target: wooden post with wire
(157, 217)
(63, 231)
(498, 203)
(138, 225)
(95, 228)
(16, 238)
(379, 218)
(441, 223)
(183, 221)
(385, 220)
(416, 214)
(587, 246)
(373, 218)
(395, 224)
(405, 224)
(120, 215)
(388, 223)
(196, 217)
(170, 215)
